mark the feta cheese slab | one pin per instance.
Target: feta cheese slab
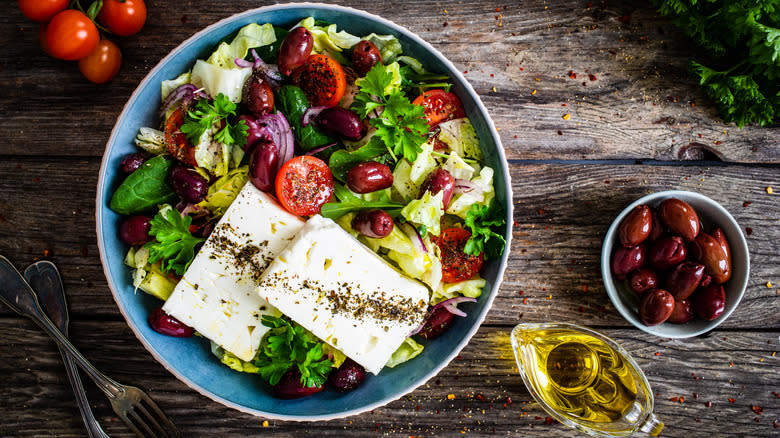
(217, 295)
(344, 293)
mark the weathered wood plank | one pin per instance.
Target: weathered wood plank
(561, 211)
(639, 106)
(35, 394)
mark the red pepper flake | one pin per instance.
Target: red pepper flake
(525, 300)
(559, 132)
(700, 136)
(480, 397)
(572, 75)
(731, 400)
(515, 135)
(184, 19)
(509, 400)
(757, 409)
(541, 212)
(445, 24)
(417, 407)
(465, 72)
(757, 420)
(746, 204)
(36, 179)
(18, 166)
(606, 181)
(84, 251)
(585, 288)
(718, 143)
(549, 420)
(522, 69)
(775, 394)
(459, 357)
(520, 293)
(582, 308)
(591, 76)
(46, 253)
(674, 399)
(748, 231)
(584, 84)
(682, 399)
(695, 395)
(775, 424)
(625, 18)
(491, 75)
(708, 404)
(657, 353)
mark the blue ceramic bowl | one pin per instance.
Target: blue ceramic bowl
(190, 359)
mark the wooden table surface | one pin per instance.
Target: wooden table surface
(637, 124)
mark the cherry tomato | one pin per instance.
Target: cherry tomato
(176, 141)
(42, 10)
(440, 106)
(42, 38)
(322, 80)
(304, 184)
(71, 35)
(123, 17)
(456, 265)
(103, 63)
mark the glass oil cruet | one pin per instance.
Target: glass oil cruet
(584, 379)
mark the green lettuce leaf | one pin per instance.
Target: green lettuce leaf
(250, 36)
(407, 351)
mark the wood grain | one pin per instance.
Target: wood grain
(490, 398)
(641, 105)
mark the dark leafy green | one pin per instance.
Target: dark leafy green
(173, 243)
(289, 345)
(145, 188)
(742, 40)
(270, 52)
(342, 161)
(483, 220)
(205, 115)
(292, 102)
(348, 203)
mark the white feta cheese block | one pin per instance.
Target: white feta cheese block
(344, 293)
(217, 295)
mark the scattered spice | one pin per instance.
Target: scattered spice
(757, 409)
(533, 92)
(450, 396)
(769, 284)
(566, 116)
(265, 423)
(746, 204)
(585, 288)
(657, 353)
(731, 400)
(708, 404)
(591, 76)
(572, 75)
(748, 231)
(768, 189)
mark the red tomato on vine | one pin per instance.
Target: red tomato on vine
(123, 18)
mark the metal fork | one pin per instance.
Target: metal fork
(131, 404)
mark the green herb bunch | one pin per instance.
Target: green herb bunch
(173, 243)
(742, 40)
(205, 115)
(482, 220)
(289, 345)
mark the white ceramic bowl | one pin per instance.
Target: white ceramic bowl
(711, 214)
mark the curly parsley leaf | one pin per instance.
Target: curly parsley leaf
(289, 345)
(207, 116)
(741, 38)
(482, 220)
(401, 125)
(173, 243)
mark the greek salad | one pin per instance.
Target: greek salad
(313, 203)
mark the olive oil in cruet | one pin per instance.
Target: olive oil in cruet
(584, 379)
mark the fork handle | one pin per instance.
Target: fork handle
(19, 296)
(90, 422)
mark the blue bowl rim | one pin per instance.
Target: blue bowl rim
(614, 295)
(102, 181)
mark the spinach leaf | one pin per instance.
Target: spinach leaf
(145, 188)
(350, 202)
(341, 161)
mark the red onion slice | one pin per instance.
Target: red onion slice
(270, 70)
(452, 305)
(320, 149)
(281, 133)
(243, 63)
(311, 113)
(466, 186)
(176, 95)
(414, 236)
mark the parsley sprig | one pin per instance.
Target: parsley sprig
(401, 126)
(205, 115)
(173, 243)
(289, 345)
(741, 39)
(482, 220)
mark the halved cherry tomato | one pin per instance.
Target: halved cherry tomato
(103, 63)
(123, 17)
(71, 35)
(456, 265)
(42, 10)
(304, 184)
(322, 80)
(440, 106)
(176, 141)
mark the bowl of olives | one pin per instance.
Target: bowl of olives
(675, 264)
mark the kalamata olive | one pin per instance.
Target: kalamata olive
(341, 122)
(165, 324)
(656, 307)
(682, 313)
(263, 165)
(657, 229)
(369, 176)
(438, 180)
(258, 97)
(131, 162)
(290, 387)
(348, 376)
(679, 217)
(684, 279)
(709, 302)
(373, 223)
(134, 230)
(709, 252)
(365, 56)
(437, 323)
(720, 236)
(295, 49)
(626, 260)
(636, 227)
(643, 280)
(666, 252)
(188, 184)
